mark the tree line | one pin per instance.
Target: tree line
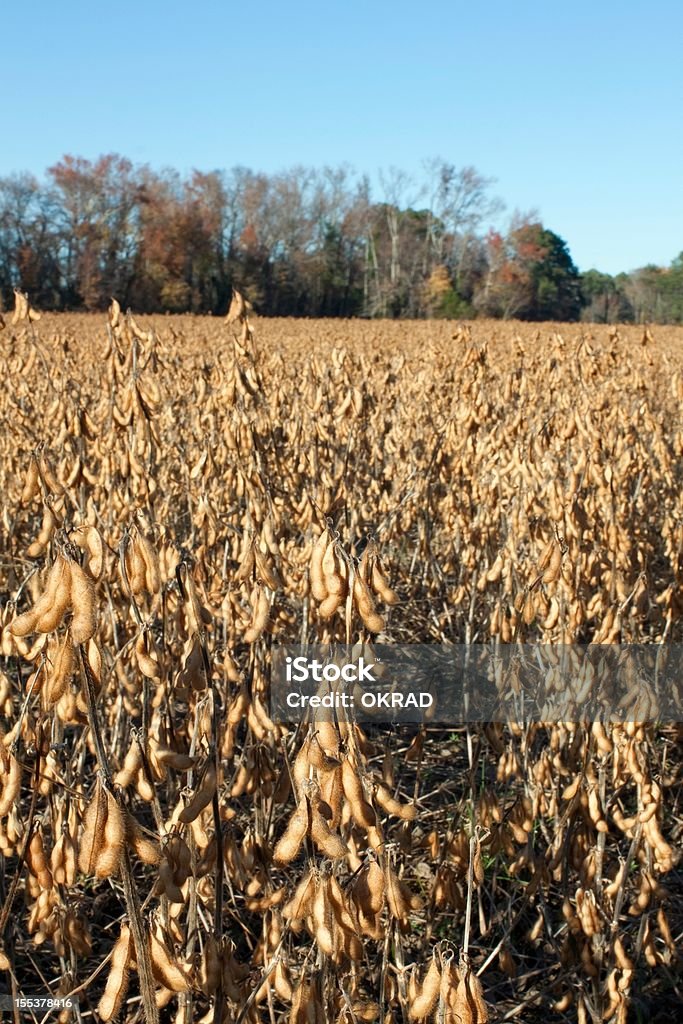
(303, 242)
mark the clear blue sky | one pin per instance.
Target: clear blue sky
(574, 108)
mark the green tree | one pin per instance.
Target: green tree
(556, 290)
(673, 291)
(604, 298)
(530, 275)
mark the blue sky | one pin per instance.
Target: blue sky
(574, 109)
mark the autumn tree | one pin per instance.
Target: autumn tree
(97, 228)
(303, 241)
(530, 275)
(460, 202)
(506, 289)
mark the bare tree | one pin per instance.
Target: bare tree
(460, 202)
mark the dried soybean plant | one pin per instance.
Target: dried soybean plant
(177, 502)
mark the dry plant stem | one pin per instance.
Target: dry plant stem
(400, 966)
(533, 999)
(7, 908)
(93, 721)
(147, 986)
(15, 993)
(125, 541)
(383, 973)
(41, 354)
(218, 882)
(619, 899)
(144, 739)
(138, 736)
(264, 977)
(470, 889)
(530, 890)
(348, 1003)
(602, 837)
(22, 713)
(73, 977)
(217, 825)
(191, 930)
